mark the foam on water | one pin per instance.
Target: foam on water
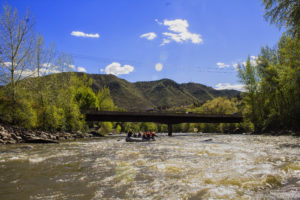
(228, 167)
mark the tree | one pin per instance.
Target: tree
(284, 13)
(272, 99)
(249, 76)
(219, 105)
(105, 102)
(16, 41)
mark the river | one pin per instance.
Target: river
(180, 167)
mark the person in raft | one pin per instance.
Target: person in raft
(148, 135)
(129, 134)
(153, 135)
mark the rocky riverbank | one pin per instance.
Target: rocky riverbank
(12, 135)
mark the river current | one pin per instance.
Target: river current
(180, 167)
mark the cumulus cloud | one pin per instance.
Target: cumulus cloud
(81, 69)
(72, 67)
(253, 57)
(116, 69)
(158, 67)
(158, 22)
(253, 62)
(222, 65)
(165, 41)
(6, 64)
(149, 36)
(26, 73)
(44, 70)
(179, 32)
(228, 86)
(86, 35)
(235, 66)
(75, 68)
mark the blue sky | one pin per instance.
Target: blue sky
(140, 40)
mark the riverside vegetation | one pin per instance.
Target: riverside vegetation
(39, 91)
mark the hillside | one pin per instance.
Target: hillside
(163, 93)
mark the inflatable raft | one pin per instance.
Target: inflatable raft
(129, 139)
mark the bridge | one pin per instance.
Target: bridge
(163, 118)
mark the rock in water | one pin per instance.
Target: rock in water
(207, 140)
(39, 140)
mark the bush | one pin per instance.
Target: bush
(105, 127)
(18, 113)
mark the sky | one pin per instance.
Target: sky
(199, 41)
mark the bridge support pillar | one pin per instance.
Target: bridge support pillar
(169, 129)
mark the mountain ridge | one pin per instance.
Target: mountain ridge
(158, 94)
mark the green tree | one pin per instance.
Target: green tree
(284, 13)
(105, 102)
(272, 99)
(220, 105)
(249, 76)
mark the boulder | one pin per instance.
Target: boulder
(79, 136)
(238, 131)
(53, 137)
(67, 135)
(5, 135)
(61, 138)
(11, 141)
(39, 140)
(43, 135)
(17, 138)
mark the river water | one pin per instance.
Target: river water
(180, 167)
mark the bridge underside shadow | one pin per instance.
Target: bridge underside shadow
(163, 118)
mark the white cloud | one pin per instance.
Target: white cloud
(158, 22)
(6, 64)
(228, 86)
(159, 67)
(102, 70)
(81, 69)
(253, 61)
(222, 65)
(72, 67)
(82, 34)
(165, 41)
(26, 73)
(180, 33)
(116, 69)
(34, 73)
(149, 36)
(45, 69)
(47, 65)
(235, 66)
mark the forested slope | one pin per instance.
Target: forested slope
(163, 93)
